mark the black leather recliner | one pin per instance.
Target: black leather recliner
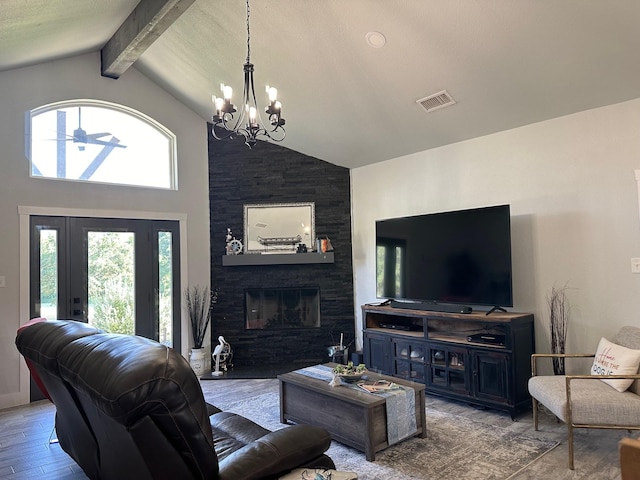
(130, 407)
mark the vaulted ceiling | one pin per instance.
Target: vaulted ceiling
(506, 63)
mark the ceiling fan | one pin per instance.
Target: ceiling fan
(82, 138)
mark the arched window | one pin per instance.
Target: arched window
(102, 142)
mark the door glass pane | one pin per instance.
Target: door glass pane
(165, 288)
(49, 274)
(111, 281)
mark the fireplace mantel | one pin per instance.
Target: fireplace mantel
(276, 259)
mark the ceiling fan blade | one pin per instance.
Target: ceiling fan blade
(97, 135)
(95, 141)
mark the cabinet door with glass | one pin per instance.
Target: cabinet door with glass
(409, 359)
(446, 368)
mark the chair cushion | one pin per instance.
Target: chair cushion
(232, 432)
(613, 359)
(593, 401)
(629, 337)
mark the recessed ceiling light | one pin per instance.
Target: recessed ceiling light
(375, 39)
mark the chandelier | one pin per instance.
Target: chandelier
(249, 122)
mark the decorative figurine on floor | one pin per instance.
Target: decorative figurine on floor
(222, 356)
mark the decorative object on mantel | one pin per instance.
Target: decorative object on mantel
(249, 123)
(558, 322)
(199, 302)
(323, 244)
(234, 246)
(222, 356)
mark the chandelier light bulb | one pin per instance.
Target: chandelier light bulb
(273, 93)
(218, 102)
(227, 91)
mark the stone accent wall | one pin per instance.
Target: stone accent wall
(270, 173)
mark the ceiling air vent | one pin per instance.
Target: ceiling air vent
(437, 100)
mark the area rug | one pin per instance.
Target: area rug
(456, 447)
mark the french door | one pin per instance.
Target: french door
(120, 275)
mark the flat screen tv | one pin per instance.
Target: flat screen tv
(460, 258)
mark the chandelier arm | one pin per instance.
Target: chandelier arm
(226, 120)
(228, 133)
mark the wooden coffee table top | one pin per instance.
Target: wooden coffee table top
(351, 395)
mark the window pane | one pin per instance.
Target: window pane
(100, 142)
(165, 290)
(111, 281)
(49, 274)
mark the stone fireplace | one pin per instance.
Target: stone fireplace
(266, 174)
(282, 308)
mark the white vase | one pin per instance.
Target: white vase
(198, 361)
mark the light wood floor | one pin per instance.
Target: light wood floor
(25, 451)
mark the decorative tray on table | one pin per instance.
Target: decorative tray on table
(377, 386)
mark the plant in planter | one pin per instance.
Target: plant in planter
(558, 322)
(199, 302)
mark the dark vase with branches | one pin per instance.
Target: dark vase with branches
(558, 323)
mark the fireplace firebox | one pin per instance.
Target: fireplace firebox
(273, 308)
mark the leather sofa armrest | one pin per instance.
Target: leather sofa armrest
(276, 453)
(212, 409)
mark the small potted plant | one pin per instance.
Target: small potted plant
(349, 372)
(199, 300)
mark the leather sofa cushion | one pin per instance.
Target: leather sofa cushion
(231, 432)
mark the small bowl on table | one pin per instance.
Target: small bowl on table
(349, 372)
(350, 377)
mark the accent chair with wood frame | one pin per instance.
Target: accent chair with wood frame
(585, 400)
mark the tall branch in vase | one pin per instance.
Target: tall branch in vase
(558, 324)
(199, 301)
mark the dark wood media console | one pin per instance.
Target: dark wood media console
(473, 357)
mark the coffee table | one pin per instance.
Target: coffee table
(353, 417)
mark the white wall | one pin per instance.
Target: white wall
(79, 77)
(572, 187)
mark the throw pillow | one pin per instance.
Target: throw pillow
(612, 359)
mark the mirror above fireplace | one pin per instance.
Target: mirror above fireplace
(278, 227)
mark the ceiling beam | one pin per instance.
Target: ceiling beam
(144, 26)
